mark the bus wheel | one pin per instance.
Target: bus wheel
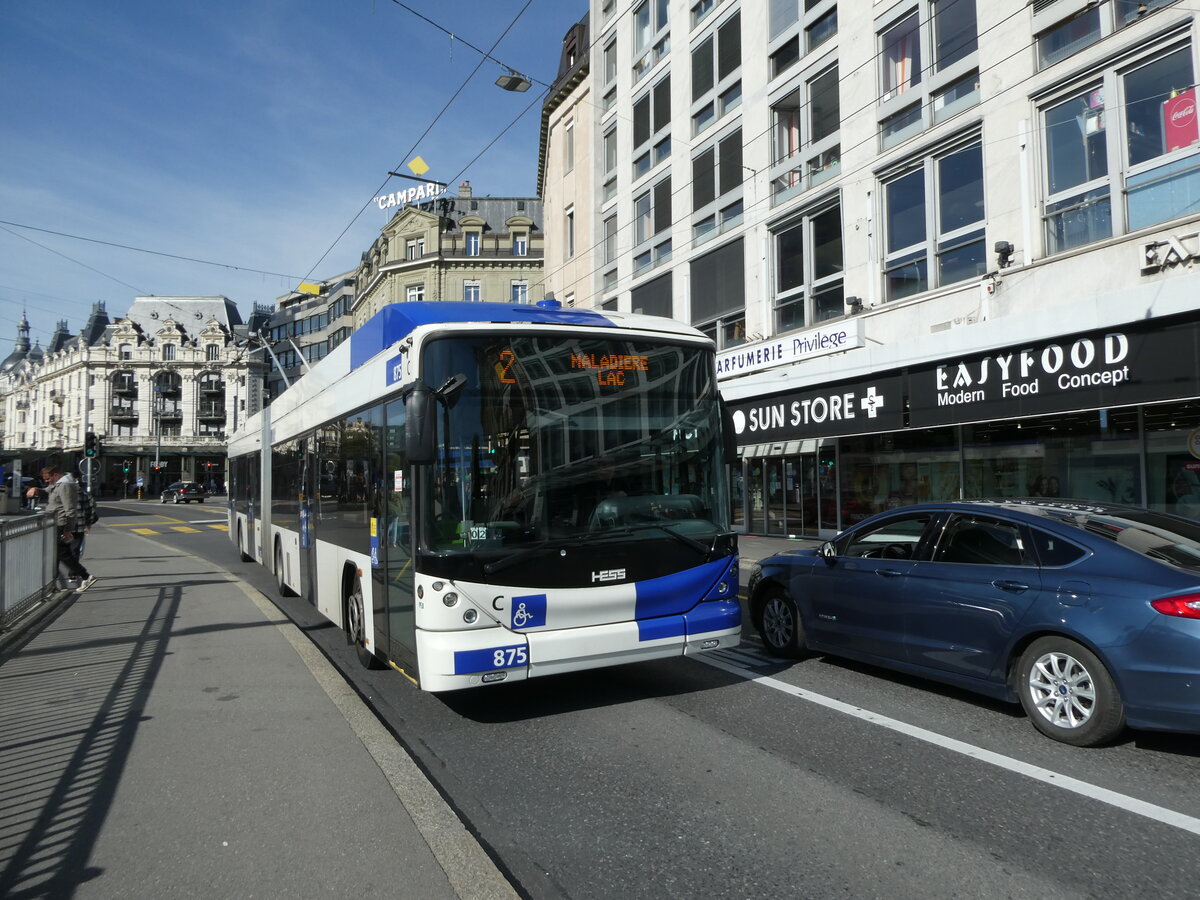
(280, 583)
(356, 627)
(246, 557)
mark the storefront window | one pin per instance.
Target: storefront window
(887, 471)
(1172, 469)
(1083, 456)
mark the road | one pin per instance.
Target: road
(743, 777)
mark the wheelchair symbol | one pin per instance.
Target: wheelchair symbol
(521, 616)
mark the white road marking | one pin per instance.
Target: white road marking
(1037, 773)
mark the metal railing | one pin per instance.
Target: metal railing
(28, 564)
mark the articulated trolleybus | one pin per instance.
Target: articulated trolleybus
(484, 492)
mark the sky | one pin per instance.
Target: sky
(248, 134)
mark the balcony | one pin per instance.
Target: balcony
(123, 412)
(125, 386)
(211, 411)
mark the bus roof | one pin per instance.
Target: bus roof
(395, 322)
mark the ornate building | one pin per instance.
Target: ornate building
(160, 387)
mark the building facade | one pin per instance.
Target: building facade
(161, 387)
(945, 247)
(566, 172)
(463, 248)
(304, 327)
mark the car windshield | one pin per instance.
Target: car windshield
(548, 440)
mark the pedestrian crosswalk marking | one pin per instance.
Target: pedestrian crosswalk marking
(143, 531)
(220, 527)
(185, 529)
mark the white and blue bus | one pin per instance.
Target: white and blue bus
(484, 492)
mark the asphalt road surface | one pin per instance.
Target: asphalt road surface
(743, 777)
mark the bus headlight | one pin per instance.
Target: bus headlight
(450, 599)
(470, 615)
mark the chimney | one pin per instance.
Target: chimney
(464, 189)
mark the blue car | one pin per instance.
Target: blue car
(1088, 614)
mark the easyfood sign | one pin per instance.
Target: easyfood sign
(1119, 367)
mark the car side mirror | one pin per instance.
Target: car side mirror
(828, 553)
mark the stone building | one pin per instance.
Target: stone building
(463, 248)
(160, 386)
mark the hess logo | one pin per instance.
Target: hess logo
(608, 575)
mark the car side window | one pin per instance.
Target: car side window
(1055, 551)
(975, 540)
(895, 538)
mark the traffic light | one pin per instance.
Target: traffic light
(91, 445)
(126, 467)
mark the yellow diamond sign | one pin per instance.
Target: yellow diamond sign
(418, 166)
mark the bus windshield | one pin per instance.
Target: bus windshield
(579, 440)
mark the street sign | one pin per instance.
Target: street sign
(139, 481)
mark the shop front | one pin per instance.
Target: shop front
(1109, 415)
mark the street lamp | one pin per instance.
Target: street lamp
(513, 82)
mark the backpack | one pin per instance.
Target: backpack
(87, 508)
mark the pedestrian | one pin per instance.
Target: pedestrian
(63, 505)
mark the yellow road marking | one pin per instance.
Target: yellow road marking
(144, 531)
(185, 529)
(220, 527)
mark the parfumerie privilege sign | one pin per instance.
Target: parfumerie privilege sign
(1122, 366)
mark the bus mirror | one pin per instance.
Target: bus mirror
(419, 434)
(728, 433)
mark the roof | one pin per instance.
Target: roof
(189, 313)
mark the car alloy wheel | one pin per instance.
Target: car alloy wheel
(1068, 694)
(780, 625)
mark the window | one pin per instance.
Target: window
(609, 99)
(651, 38)
(168, 351)
(610, 164)
(520, 292)
(973, 540)
(414, 248)
(718, 287)
(895, 538)
(651, 124)
(652, 298)
(414, 293)
(473, 240)
(807, 135)
(716, 63)
(934, 217)
(701, 10)
(808, 270)
(212, 352)
(928, 67)
(520, 245)
(125, 351)
(1154, 163)
(472, 293)
(651, 219)
(569, 147)
(569, 233)
(610, 240)
(717, 186)
(1059, 38)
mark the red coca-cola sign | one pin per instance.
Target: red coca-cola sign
(1180, 126)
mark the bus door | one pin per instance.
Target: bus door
(396, 539)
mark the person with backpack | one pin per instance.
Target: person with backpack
(89, 515)
(63, 505)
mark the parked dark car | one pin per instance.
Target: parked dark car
(1087, 614)
(184, 492)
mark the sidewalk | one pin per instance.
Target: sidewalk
(170, 734)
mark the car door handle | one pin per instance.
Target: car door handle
(1013, 587)
(888, 573)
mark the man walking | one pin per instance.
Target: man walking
(63, 505)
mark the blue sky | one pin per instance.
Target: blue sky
(243, 133)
